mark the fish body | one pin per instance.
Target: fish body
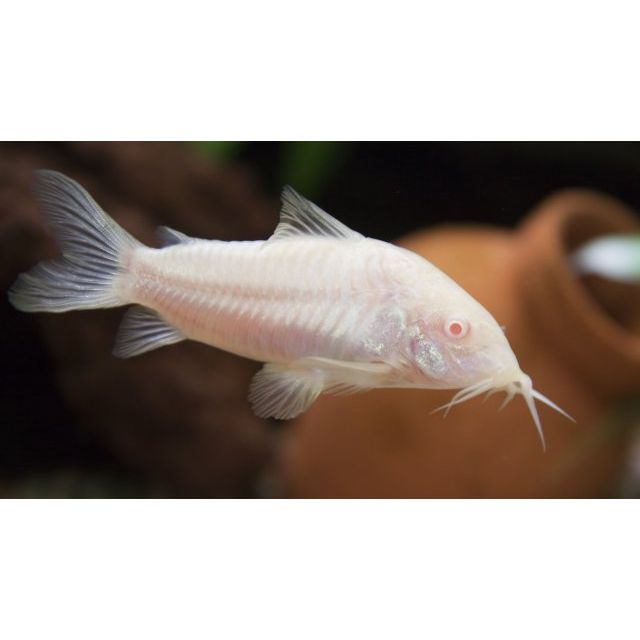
(324, 307)
(346, 300)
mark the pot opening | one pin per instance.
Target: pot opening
(620, 301)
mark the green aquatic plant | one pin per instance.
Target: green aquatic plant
(222, 149)
(307, 165)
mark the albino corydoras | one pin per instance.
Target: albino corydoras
(325, 308)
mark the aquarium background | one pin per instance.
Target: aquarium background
(383, 190)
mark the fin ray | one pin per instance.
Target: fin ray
(143, 330)
(169, 237)
(300, 217)
(285, 391)
(92, 244)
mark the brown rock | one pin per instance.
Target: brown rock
(179, 414)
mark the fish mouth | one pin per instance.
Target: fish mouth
(520, 384)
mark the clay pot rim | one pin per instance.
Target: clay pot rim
(548, 228)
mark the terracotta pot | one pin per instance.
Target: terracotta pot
(578, 339)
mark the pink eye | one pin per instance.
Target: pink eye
(457, 328)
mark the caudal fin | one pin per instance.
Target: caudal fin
(93, 247)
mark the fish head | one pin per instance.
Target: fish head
(462, 346)
(459, 345)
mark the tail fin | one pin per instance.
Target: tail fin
(92, 244)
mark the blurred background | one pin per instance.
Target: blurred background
(76, 422)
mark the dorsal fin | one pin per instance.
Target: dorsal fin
(169, 236)
(300, 217)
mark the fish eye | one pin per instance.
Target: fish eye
(456, 328)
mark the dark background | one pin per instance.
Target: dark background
(388, 189)
(381, 189)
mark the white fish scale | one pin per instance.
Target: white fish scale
(286, 327)
(346, 307)
(272, 302)
(356, 296)
(326, 294)
(323, 273)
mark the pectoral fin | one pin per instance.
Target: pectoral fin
(286, 390)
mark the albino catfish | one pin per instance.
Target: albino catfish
(327, 309)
